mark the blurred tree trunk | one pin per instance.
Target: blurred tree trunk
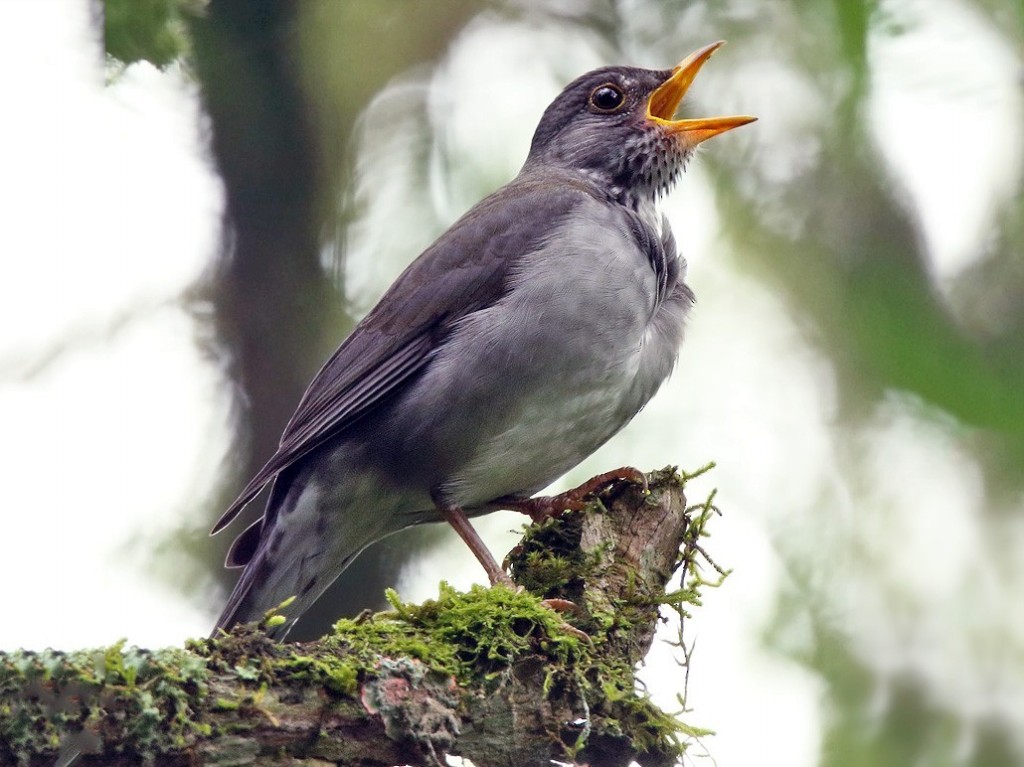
(277, 312)
(272, 302)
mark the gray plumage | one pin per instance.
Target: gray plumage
(518, 343)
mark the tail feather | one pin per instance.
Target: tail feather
(310, 533)
(265, 586)
(245, 546)
(242, 605)
(243, 608)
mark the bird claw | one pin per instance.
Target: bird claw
(560, 605)
(564, 606)
(543, 507)
(583, 636)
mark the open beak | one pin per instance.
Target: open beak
(663, 103)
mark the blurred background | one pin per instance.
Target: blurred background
(201, 198)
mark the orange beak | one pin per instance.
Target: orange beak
(663, 103)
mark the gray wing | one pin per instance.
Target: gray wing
(463, 271)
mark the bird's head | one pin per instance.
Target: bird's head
(616, 125)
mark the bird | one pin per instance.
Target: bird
(525, 337)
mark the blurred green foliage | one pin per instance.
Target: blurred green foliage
(148, 30)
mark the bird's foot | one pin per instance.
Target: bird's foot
(571, 630)
(560, 605)
(564, 606)
(621, 474)
(543, 507)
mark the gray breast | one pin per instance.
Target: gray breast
(550, 372)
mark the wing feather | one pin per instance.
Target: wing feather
(463, 271)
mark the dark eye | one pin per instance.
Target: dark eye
(607, 98)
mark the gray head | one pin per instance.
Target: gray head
(616, 126)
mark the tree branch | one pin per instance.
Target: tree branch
(492, 675)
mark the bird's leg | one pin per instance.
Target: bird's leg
(456, 517)
(542, 507)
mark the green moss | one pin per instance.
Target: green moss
(335, 673)
(224, 704)
(148, 700)
(548, 560)
(464, 635)
(693, 558)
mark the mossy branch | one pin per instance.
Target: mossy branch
(493, 675)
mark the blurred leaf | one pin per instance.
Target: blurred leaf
(148, 30)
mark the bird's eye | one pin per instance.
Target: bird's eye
(607, 98)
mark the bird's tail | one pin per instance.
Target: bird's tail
(308, 537)
(283, 588)
(247, 605)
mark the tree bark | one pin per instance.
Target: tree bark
(493, 675)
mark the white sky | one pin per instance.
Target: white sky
(115, 426)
